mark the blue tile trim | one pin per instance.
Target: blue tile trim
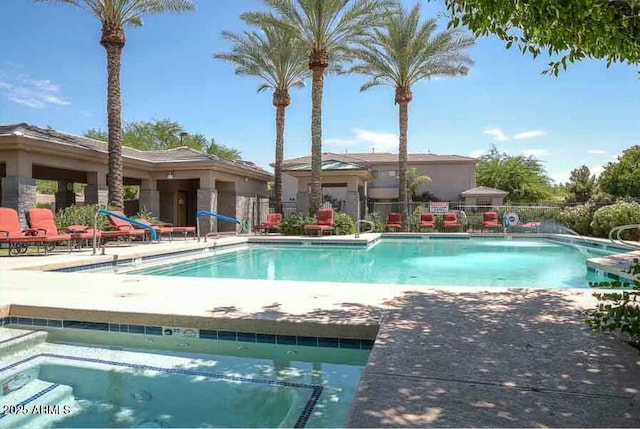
(17, 337)
(20, 405)
(208, 334)
(316, 390)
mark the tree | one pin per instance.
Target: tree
(328, 29)
(165, 134)
(523, 177)
(414, 182)
(576, 29)
(400, 54)
(278, 58)
(621, 178)
(581, 185)
(114, 15)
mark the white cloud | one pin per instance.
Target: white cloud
(477, 153)
(596, 169)
(559, 177)
(23, 89)
(536, 153)
(497, 134)
(596, 151)
(367, 139)
(529, 134)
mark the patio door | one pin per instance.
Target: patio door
(182, 208)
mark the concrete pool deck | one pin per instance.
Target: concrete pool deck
(443, 356)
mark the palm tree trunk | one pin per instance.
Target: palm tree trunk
(281, 100)
(402, 161)
(113, 42)
(318, 62)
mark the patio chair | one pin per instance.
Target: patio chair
(122, 228)
(450, 221)
(11, 233)
(160, 229)
(272, 223)
(490, 221)
(324, 222)
(394, 221)
(512, 224)
(43, 221)
(427, 221)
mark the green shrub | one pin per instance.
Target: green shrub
(345, 224)
(292, 224)
(579, 218)
(618, 311)
(43, 206)
(377, 221)
(608, 217)
(80, 215)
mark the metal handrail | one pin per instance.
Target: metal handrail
(212, 214)
(618, 239)
(368, 222)
(151, 229)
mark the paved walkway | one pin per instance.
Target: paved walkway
(519, 359)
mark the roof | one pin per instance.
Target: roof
(484, 190)
(383, 157)
(178, 154)
(329, 165)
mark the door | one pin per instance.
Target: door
(182, 208)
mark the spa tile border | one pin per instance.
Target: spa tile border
(207, 334)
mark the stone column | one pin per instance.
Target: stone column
(302, 202)
(352, 205)
(64, 196)
(207, 200)
(19, 193)
(96, 191)
(150, 197)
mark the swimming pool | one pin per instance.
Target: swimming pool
(439, 261)
(233, 385)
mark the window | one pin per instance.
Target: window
(375, 173)
(392, 173)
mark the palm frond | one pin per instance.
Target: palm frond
(405, 50)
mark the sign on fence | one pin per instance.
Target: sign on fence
(438, 208)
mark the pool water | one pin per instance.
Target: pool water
(237, 385)
(454, 262)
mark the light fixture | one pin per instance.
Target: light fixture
(246, 179)
(170, 175)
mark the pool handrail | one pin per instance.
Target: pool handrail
(366, 222)
(618, 239)
(201, 213)
(99, 212)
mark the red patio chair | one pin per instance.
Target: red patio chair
(272, 223)
(163, 228)
(43, 220)
(12, 234)
(490, 221)
(324, 222)
(120, 228)
(427, 221)
(450, 221)
(394, 221)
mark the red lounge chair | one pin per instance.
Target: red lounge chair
(394, 221)
(324, 222)
(18, 239)
(490, 221)
(272, 223)
(164, 228)
(120, 228)
(427, 221)
(450, 221)
(42, 220)
(512, 224)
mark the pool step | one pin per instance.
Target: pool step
(37, 404)
(16, 340)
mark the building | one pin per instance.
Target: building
(173, 184)
(362, 177)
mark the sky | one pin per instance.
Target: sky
(53, 73)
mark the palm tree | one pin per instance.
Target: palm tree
(328, 29)
(276, 57)
(114, 15)
(400, 54)
(414, 182)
